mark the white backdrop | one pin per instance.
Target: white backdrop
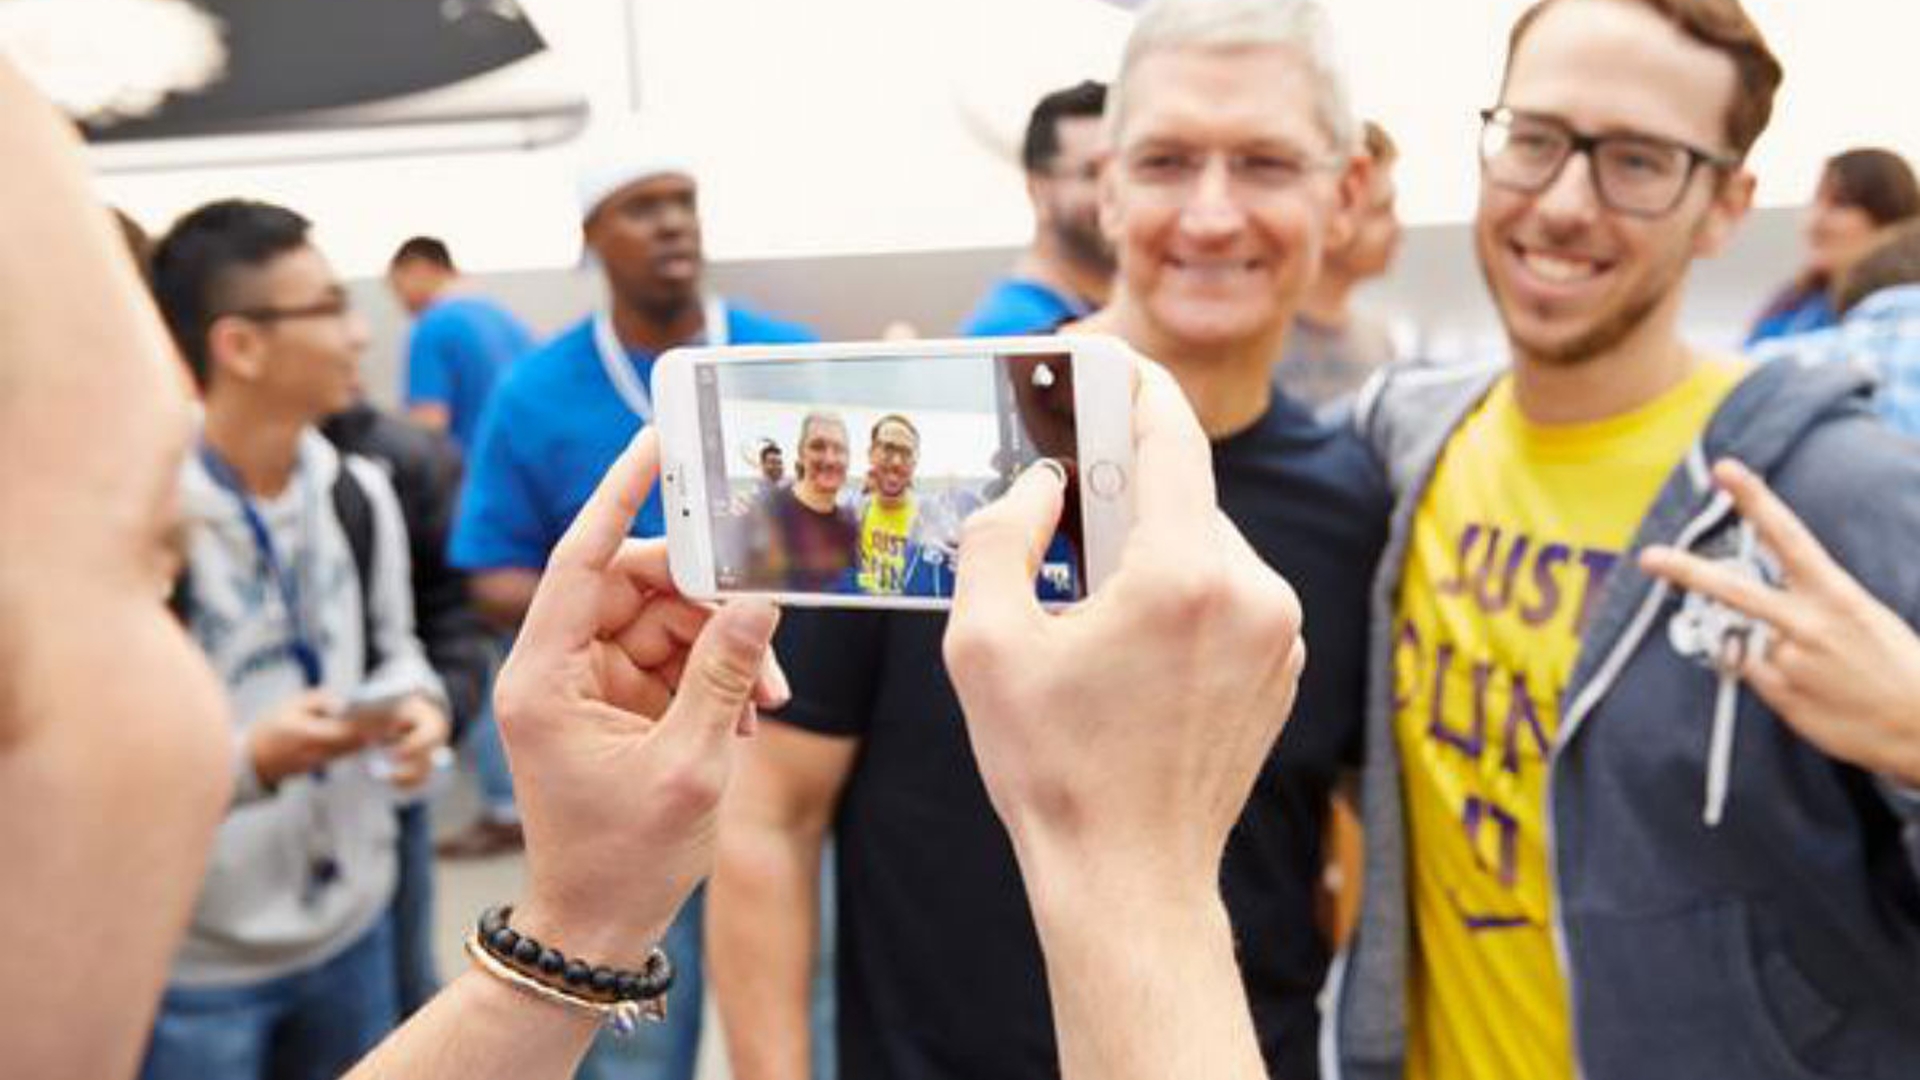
(830, 127)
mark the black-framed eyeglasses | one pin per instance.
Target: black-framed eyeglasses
(1638, 175)
(333, 307)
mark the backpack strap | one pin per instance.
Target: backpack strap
(355, 513)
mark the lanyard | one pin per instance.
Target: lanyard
(285, 580)
(626, 381)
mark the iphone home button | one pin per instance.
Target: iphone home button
(1106, 479)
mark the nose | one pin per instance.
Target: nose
(1570, 199)
(676, 218)
(1211, 211)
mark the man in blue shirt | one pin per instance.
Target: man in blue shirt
(562, 415)
(460, 342)
(1879, 305)
(1068, 268)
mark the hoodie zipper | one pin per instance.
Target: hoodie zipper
(1579, 709)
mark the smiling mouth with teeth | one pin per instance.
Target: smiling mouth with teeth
(1559, 269)
(1216, 266)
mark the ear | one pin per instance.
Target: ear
(235, 348)
(1732, 199)
(1352, 194)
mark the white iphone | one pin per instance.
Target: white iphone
(839, 475)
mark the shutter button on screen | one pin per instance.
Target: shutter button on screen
(1106, 479)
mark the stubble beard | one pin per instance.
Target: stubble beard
(1600, 339)
(1086, 245)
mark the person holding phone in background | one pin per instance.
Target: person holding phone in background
(290, 953)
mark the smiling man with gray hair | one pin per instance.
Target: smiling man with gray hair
(1231, 167)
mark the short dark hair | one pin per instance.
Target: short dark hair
(429, 249)
(1726, 28)
(197, 266)
(1895, 260)
(139, 244)
(1085, 99)
(1379, 145)
(770, 447)
(1875, 181)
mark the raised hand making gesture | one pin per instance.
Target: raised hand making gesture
(1838, 665)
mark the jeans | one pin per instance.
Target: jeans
(490, 760)
(671, 1050)
(415, 979)
(311, 1025)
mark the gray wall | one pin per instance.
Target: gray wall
(1434, 294)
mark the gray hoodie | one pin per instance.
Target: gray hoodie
(1729, 901)
(259, 914)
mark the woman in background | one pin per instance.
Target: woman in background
(1862, 194)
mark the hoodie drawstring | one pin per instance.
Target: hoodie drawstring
(1730, 653)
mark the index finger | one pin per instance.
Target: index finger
(1172, 459)
(566, 605)
(1802, 556)
(600, 527)
(1000, 551)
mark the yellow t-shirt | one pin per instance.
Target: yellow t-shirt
(1511, 546)
(883, 545)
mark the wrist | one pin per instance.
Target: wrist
(1114, 936)
(1070, 890)
(256, 769)
(600, 939)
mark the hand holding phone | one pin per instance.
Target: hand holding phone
(410, 732)
(304, 733)
(841, 474)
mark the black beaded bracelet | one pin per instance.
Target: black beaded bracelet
(548, 965)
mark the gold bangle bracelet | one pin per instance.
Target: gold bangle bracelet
(621, 1017)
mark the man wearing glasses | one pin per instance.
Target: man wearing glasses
(288, 964)
(1607, 836)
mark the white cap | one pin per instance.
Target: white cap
(626, 156)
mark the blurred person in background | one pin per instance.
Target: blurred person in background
(459, 344)
(1878, 301)
(1067, 269)
(561, 415)
(1333, 348)
(425, 469)
(1861, 194)
(297, 587)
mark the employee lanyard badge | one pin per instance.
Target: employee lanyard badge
(626, 381)
(323, 866)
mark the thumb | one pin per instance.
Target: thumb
(317, 702)
(722, 670)
(1001, 548)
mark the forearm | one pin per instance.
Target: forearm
(432, 415)
(503, 596)
(1145, 986)
(763, 909)
(478, 1028)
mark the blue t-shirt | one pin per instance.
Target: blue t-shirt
(1797, 311)
(554, 426)
(1021, 306)
(455, 354)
